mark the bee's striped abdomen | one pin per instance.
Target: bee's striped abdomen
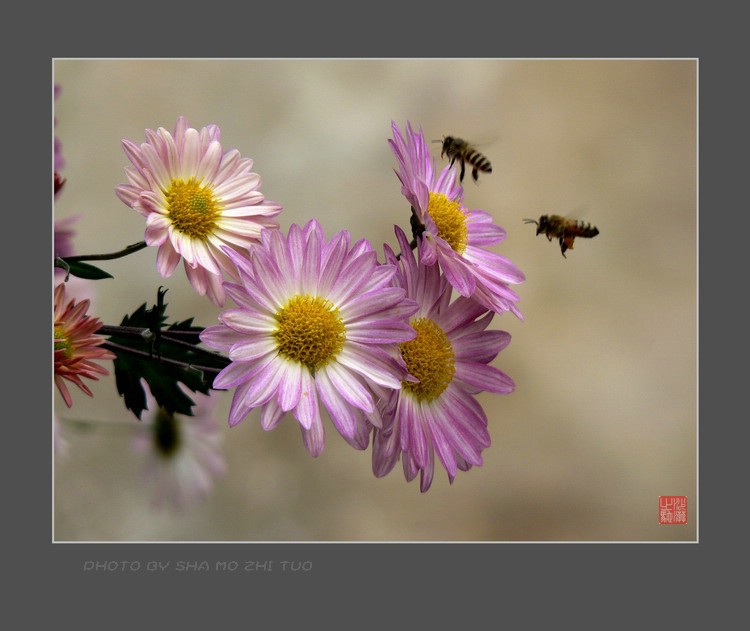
(478, 161)
(566, 230)
(582, 229)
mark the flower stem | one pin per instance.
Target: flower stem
(417, 228)
(103, 257)
(173, 337)
(119, 348)
(85, 425)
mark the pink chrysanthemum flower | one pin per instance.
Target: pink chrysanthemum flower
(76, 345)
(182, 454)
(197, 200)
(454, 236)
(437, 413)
(317, 321)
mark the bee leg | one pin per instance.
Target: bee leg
(563, 246)
(475, 174)
(463, 171)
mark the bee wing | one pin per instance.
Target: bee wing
(478, 141)
(482, 141)
(577, 213)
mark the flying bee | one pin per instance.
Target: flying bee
(458, 149)
(565, 230)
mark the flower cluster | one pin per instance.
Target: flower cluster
(320, 324)
(379, 344)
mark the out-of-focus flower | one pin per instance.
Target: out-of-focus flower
(182, 454)
(59, 182)
(454, 236)
(58, 161)
(318, 321)
(63, 237)
(60, 442)
(438, 413)
(197, 200)
(76, 345)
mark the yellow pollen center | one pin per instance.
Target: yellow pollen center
(450, 221)
(62, 342)
(192, 208)
(430, 358)
(310, 331)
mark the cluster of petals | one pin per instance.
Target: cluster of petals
(451, 424)
(198, 200)
(472, 269)
(77, 347)
(182, 454)
(344, 283)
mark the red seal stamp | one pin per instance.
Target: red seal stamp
(673, 509)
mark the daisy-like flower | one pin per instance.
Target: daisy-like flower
(453, 236)
(437, 412)
(76, 345)
(197, 200)
(182, 454)
(318, 321)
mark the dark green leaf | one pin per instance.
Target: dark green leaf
(152, 364)
(87, 271)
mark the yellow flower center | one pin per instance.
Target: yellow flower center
(62, 342)
(166, 433)
(310, 331)
(450, 221)
(430, 358)
(192, 208)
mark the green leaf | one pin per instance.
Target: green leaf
(153, 366)
(89, 272)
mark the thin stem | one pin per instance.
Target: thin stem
(173, 362)
(417, 228)
(84, 425)
(171, 336)
(126, 331)
(109, 329)
(104, 257)
(412, 245)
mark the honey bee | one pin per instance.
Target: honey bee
(566, 230)
(457, 149)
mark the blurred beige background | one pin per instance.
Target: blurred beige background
(604, 417)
